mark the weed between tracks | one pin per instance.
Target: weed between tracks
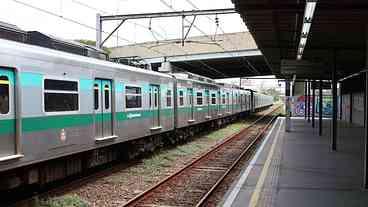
(64, 201)
(116, 189)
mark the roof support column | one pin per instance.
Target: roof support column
(340, 101)
(365, 181)
(287, 106)
(334, 111)
(351, 107)
(313, 102)
(365, 184)
(98, 31)
(308, 101)
(305, 100)
(320, 107)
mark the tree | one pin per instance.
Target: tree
(273, 92)
(93, 43)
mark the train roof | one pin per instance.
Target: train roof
(26, 50)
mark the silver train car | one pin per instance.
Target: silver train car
(55, 105)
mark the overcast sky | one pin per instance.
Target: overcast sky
(76, 19)
(84, 12)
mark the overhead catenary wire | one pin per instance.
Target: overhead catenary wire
(94, 29)
(218, 26)
(153, 32)
(109, 13)
(79, 23)
(248, 64)
(205, 34)
(197, 28)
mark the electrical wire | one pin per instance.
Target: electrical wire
(78, 23)
(153, 34)
(197, 28)
(109, 13)
(92, 28)
(216, 22)
(248, 64)
(200, 61)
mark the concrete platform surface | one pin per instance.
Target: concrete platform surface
(298, 169)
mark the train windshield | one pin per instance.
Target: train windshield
(4, 95)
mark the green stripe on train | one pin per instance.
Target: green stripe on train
(7, 126)
(31, 124)
(55, 122)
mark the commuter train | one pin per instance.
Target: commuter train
(61, 113)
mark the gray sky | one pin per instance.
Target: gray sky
(84, 12)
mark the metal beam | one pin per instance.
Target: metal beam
(98, 31)
(287, 106)
(334, 111)
(190, 27)
(205, 56)
(313, 102)
(168, 14)
(365, 184)
(340, 105)
(320, 108)
(351, 108)
(305, 100)
(113, 31)
(308, 101)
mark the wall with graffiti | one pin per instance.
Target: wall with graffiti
(298, 105)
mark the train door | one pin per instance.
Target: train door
(102, 106)
(207, 98)
(219, 102)
(7, 113)
(155, 102)
(228, 102)
(190, 103)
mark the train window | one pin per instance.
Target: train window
(61, 85)
(168, 98)
(107, 96)
(223, 99)
(181, 98)
(133, 97)
(4, 95)
(60, 95)
(96, 95)
(213, 98)
(199, 98)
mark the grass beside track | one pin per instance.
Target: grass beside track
(118, 188)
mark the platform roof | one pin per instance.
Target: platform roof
(220, 56)
(338, 35)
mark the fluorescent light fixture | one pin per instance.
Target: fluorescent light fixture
(303, 41)
(309, 10)
(306, 28)
(310, 7)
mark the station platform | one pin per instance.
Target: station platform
(298, 168)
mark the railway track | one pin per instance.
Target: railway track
(204, 174)
(193, 184)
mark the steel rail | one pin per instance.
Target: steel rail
(115, 168)
(199, 158)
(251, 145)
